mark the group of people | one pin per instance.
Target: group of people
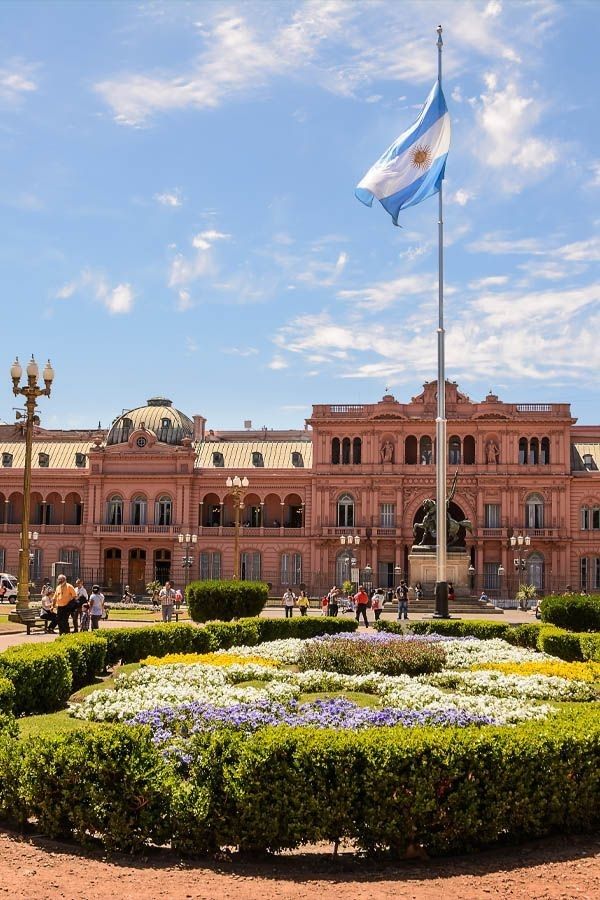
(360, 602)
(68, 604)
(290, 600)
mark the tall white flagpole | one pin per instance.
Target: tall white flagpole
(441, 587)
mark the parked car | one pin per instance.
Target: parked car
(9, 587)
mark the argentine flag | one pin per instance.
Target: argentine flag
(412, 169)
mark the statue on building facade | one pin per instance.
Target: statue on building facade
(428, 525)
(492, 452)
(387, 452)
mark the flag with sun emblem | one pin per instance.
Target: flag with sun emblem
(412, 169)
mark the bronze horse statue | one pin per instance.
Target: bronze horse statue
(428, 525)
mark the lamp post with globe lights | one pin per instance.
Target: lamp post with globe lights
(31, 391)
(350, 539)
(238, 487)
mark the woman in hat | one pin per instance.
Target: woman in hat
(96, 601)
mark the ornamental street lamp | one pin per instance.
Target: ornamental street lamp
(187, 541)
(518, 542)
(31, 391)
(238, 487)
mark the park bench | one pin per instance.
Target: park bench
(30, 618)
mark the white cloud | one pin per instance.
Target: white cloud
(16, 80)
(118, 300)
(277, 363)
(240, 351)
(184, 300)
(498, 243)
(383, 294)
(461, 196)
(169, 198)
(493, 9)
(205, 239)
(186, 269)
(457, 94)
(595, 170)
(490, 281)
(506, 120)
(581, 251)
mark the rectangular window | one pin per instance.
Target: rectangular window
(583, 573)
(491, 579)
(596, 573)
(2, 559)
(250, 566)
(596, 518)
(387, 515)
(210, 565)
(291, 568)
(585, 518)
(36, 557)
(492, 515)
(72, 558)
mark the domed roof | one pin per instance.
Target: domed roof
(169, 424)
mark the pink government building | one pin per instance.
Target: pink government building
(110, 505)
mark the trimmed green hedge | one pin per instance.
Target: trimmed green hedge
(86, 653)
(41, 676)
(449, 627)
(225, 600)
(449, 790)
(572, 611)
(7, 695)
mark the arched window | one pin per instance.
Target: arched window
(346, 451)
(356, 450)
(523, 452)
(590, 518)
(534, 452)
(335, 451)
(454, 450)
(126, 428)
(425, 451)
(163, 511)
(210, 565)
(343, 567)
(291, 568)
(165, 427)
(534, 511)
(410, 450)
(114, 510)
(545, 452)
(469, 450)
(250, 565)
(345, 511)
(138, 511)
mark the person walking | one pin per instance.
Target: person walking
(289, 598)
(333, 601)
(402, 594)
(303, 603)
(81, 597)
(377, 601)
(65, 602)
(96, 604)
(167, 601)
(361, 600)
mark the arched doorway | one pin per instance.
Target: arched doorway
(136, 578)
(162, 565)
(112, 568)
(535, 570)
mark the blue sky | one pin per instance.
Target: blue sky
(178, 215)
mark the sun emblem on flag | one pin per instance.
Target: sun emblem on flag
(421, 156)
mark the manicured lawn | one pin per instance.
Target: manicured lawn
(142, 615)
(51, 723)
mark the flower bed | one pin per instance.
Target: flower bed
(356, 654)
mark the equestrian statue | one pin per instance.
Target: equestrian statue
(428, 523)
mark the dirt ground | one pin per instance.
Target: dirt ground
(34, 868)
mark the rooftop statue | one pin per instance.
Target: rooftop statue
(429, 522)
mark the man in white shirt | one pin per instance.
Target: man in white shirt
(288, 601)
(167, 601)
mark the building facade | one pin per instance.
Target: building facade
(111, 504)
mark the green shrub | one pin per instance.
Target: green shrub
(225, 600)
(132, 644)
(590, 646)
(107, 782)
(301, 627)
(86, 653)
(348, 657)
(525, 635)
(41, 676)
(7, 695)
(571, 611)
(563, 644)
(224, 635)
(450, 628)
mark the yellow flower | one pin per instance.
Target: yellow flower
(577, 671)
(208, 659)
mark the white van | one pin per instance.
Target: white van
(9, 582)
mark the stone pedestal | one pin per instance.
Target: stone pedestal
(422, 565)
